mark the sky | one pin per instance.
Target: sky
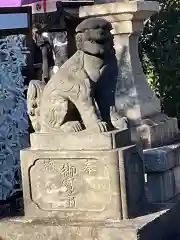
(14, 21)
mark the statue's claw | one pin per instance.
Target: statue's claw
(77, 127)
(103, 127)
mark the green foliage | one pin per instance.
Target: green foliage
(160, 55)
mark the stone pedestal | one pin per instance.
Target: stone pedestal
(134, 97)
(87, 184)
(86, 193)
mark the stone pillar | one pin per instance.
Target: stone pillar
(134, 97)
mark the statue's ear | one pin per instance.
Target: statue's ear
(79, 41)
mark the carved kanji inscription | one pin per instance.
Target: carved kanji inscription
(73, 184)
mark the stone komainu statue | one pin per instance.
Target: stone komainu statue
(67, 102)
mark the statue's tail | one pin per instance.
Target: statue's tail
(34, 95)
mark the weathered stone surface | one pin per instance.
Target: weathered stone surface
(162, 225)
(163, 186)
(82, 185)
(162, 166)
(81, 141)
(160, 186)
(158, 131)
(162, 159)
(176, 172)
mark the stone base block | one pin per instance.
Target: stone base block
(81, 140)
(159, 226)
(163, 186)
(158, 130)
(162, 166)
(162, 159)
(83, 185)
